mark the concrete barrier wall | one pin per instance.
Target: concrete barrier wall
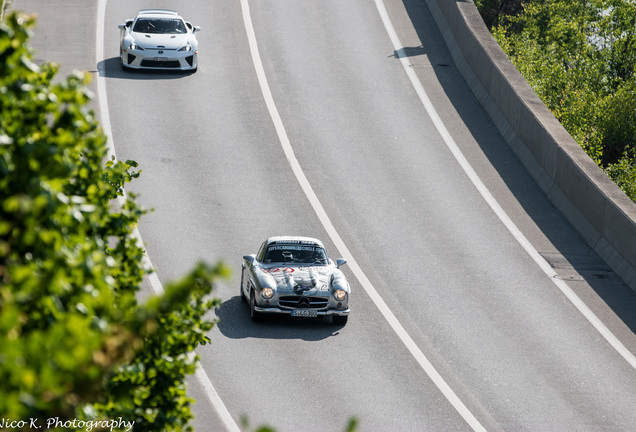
(603, 215)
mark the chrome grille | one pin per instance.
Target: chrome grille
(292, 302)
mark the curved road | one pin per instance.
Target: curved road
(512, 348)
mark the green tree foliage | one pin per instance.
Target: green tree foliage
(491, 10)
(75, 343)
(580, 58)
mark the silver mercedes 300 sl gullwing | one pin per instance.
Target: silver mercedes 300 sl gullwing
(294, 276)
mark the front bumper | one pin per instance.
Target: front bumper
(290, 304)
(166, 60)
(327, 312)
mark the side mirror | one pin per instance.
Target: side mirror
(249, 258)
(193, 27)
(340, 261)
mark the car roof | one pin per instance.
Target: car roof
(157, 13)
(294, 239)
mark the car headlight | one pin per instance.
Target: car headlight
(340, 295)
(267, 293)
(188, 47)
(134, 46)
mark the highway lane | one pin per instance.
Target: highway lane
(233, 181)
(403, 182)
(514, 349)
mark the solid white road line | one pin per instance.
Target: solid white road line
(201, 375)
(490, 199)
(337, 240)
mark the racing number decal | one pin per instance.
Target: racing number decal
(281, 270)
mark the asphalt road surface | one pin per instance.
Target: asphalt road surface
(454, 325)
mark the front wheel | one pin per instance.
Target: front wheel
(339, 319)
(121, 60)
(254, 314)
(243, 298)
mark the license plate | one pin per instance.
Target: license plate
(304, 313)
(161, 58)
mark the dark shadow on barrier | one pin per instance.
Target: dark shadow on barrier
(111, 68)
(574, 252)
(235, 323)
(409, 52)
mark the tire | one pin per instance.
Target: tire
(339, 319)
(121, 60)
(243, 298)
(254, 314)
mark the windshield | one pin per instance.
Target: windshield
(160, 25)
(295, 254)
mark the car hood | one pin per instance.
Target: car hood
(167, 41)
(300, 280)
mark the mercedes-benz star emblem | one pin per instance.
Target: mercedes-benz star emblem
(303, 302)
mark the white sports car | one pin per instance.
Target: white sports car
(158, 39)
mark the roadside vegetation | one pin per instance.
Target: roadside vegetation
(76, 345)
(580, 58)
